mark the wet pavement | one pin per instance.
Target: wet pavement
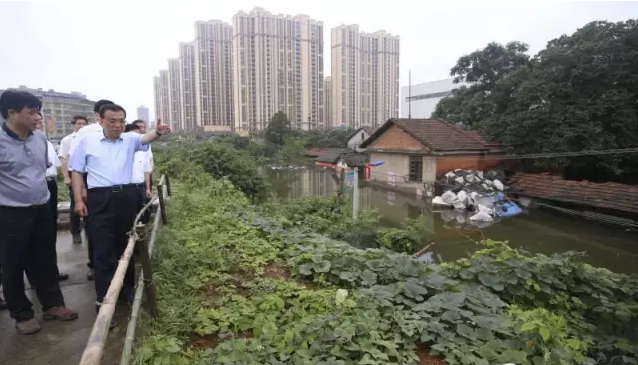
(62, 343)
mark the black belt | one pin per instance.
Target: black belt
(51, 179)
(114, 188)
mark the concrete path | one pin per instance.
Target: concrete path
(62, 343)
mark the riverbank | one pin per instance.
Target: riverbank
(238, 287)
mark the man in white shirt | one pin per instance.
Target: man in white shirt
(65, 146)
(141, 173)
(80, 135)
(52, 184)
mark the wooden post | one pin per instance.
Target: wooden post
(168, 185)
(147, 269)
(160, 195)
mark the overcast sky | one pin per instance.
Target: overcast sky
(112, 49)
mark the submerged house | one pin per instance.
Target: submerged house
(356, 138)
(421, 150)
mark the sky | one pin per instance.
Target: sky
(112, 49)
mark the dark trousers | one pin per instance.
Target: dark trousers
(143, 201)
(75, 223)
(111, 214)
(27, 237)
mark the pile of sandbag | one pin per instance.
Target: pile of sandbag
(472, 190)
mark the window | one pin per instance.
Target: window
(416, 168)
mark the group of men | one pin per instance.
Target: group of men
(107, 165)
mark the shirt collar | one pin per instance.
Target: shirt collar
(13, 134)
(106, 139)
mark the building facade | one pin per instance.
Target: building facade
(164, 99)
(327, 102)
(58, 109)
(213, 50)
(157, 98)
(174, 102)
(420, 100)
(142, 113)
(187, 86)
(365, 77)
(278, 66)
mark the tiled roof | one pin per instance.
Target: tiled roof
(608, 195)
(368, 130)
(437, 134)
(315, 151)
(331, 155)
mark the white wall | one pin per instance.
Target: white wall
(356, 140)
(424, 107)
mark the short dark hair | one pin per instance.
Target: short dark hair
(131, 127)
(100, 104)
(111, 107)
(78, 117)
(138, 121)
(17, 100)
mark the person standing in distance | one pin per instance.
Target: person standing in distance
(27, 231)
(112, 198)
(52, 183)
(95, 127)
(141, 174)
(65, 145)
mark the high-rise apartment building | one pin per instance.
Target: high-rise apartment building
(174, 104)
(365, 77)
(187, 83)
(157, 98)
(214, 76)
(142, 113)
(278, 66)
(58, 109)
(327, 102)
(164, 99)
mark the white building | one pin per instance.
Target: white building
(425, 97)
(357, 137)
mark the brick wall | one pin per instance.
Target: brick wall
(396, 138)
(464, 162)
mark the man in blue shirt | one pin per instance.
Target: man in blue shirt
(112, 198)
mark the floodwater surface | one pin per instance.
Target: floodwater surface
(538, 230)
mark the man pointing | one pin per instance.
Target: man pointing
(112, 198)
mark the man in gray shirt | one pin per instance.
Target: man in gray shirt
(27, 231)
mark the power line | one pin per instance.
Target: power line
(552, 154)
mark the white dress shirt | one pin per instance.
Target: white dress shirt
(52, 171)
(65, 146)
(83, 132)
(141, 165)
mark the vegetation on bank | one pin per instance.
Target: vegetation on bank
(240, 284)
(579, 93)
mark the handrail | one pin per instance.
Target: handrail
(94, 349)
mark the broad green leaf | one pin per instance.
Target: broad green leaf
(341, 296)
(545, 334)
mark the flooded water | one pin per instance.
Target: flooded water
(539, 230)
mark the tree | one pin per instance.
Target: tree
(579, 93)
(278, 129)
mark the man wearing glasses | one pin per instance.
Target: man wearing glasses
(95, 127)
(112, 199)
(27, 232)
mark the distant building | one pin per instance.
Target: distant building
(142, 113)
(59, 108)
(424, 97)
(327, 102)
(357, 137)
(365, 77)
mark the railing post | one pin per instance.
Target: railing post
(147, 270)
(160, 195)
(168, 185)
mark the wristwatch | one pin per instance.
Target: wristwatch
(158, 133)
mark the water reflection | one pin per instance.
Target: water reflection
(538, 231)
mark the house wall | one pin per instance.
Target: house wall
(392, 162)
(476, 162)
(396, 138)
(357, 139)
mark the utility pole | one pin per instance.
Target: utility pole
(355, 194)
(410, 94)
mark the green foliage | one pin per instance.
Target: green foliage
(336, 138)
(278, 129)
(220, 159)
(236, 286)
(579, 93)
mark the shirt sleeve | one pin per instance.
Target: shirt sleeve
(136, 140)
(78, 158)
(53, 159)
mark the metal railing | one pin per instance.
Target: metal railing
(94, 349)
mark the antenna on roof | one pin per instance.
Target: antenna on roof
(410, 94)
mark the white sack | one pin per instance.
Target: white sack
(448, 197)
(438, 201)
(483, 217)
(498, 184)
